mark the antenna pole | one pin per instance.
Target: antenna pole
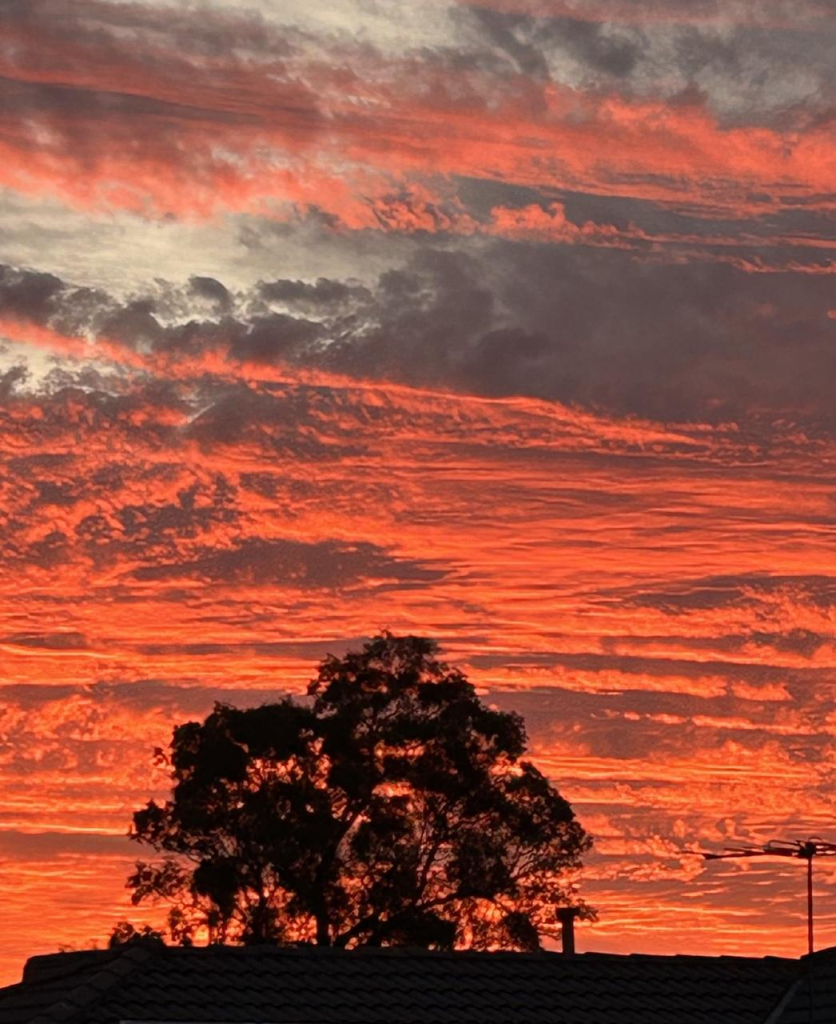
(801, 850)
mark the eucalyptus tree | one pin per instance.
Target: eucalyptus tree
(390, 807)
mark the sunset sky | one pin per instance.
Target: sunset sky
(507, 322)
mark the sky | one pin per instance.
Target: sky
(506, 322)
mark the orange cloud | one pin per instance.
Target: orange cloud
(152, 567)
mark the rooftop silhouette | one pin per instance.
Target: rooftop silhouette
(313, 985)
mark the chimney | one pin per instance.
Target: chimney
(566, 916)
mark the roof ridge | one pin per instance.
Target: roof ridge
(48, 966)
(784, 1002)
(397, 952)
(402, 952)
(66, 1009)
(707, 956)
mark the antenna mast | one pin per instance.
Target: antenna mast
(801, 849)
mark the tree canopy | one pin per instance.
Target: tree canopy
(392, 807)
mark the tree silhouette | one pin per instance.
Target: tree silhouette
(126, 934)
(392, 808)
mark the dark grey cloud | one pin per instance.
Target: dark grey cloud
(601, 328)
(28, 293)
(195, 63)
(658, 726)
(688, 233)
(501, 29)
(653, 666)
(758, 69)
(184, 518)
(44, 845)
(70, 640)
(209, 288)
(322, 564)
(10, 380)
(71, 107)
(818, 591)
(274, 338)
(530, 41)
(613, 54)
(302, 649)
(322, 294)
(282, 421)
(214, 34)
(176, 698)
(598, 328)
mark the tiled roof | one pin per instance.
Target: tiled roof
(813, 999)
(267, 985)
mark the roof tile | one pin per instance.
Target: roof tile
(271, 985)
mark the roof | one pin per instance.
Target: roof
(813, 998)
(308, 985)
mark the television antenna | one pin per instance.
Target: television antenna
(801, 849)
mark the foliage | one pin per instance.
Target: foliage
(127, 934)
(391, 808)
